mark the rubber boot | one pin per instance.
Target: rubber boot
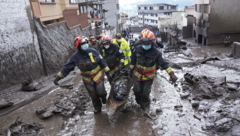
(104, 101)
(97, 110)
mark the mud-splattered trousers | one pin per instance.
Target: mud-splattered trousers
(113, 57)
(92, 65)
(144, 63)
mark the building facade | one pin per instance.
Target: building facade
(187, 21)
(148, 13)
(215, 20)
(112, 15)
(124, 16)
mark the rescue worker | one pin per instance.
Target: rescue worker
(143, 62)
(92, 65)
(93, 43)
(176, 46)
(156, 42)
(227, 41)
(112, 55)
(124, 47)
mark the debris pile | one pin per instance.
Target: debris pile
(30, 85)
(216, 102)
(20, 128)
(67, 105)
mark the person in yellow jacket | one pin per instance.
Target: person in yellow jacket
(124, 47)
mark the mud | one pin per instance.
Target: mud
(204, 102)
(19, 128)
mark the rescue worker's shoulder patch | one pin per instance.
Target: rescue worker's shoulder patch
(123, 45)
(100, 56)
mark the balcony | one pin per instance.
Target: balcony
(202, 1)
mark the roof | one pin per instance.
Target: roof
(156, 4)
(156, 11)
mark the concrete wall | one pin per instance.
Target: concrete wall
(113, 13)
(224, 16)
(175, 19)
(57, 44)
(19, 49)
(224, 21)
(187, 32)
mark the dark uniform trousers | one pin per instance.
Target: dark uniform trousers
(142, 91)
(96, 91)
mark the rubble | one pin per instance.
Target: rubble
(30, 85)
(20, 128)
(67, 105)
(4, 104)
(219, 117)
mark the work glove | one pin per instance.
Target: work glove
(56, 80)
(173, 78)
(109, 76)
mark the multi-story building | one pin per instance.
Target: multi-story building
(187, 21)
(124, 16)
(74, 12)
(216, 19)
(112, 15)
(148, 13)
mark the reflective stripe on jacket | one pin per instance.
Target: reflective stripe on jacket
(124, 46)
(143, 62)
(91, 64)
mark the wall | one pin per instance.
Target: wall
(176, 18)
(112, 14)
(224, 16)
(19, 49)
(187, 32)
(57, 44)
(224, 21)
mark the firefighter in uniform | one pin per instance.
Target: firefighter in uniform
(143, 62)
(156, 42)
(112, 55)
(227, 41)
(124, 47)
(92, 65)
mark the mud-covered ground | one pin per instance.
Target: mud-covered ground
(175, 109)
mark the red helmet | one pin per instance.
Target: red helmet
(148, 34)
(105, 40)
(79, 40)
(143, 31)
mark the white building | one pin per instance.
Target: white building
(187, 17)
(175, 19)
(112, 15)
(148, 13)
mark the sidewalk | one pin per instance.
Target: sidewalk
(20, 98)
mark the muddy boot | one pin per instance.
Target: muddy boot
(104, 101)
(97, 110)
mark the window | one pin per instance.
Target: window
(173, 7)
(161, 8)
(152, 15)
(117, 6)
(151, 8)
(155, 15)
(145, 8)
(126, 16)
(139, 8)
(48, 22)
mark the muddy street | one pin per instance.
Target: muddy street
(172, 109)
